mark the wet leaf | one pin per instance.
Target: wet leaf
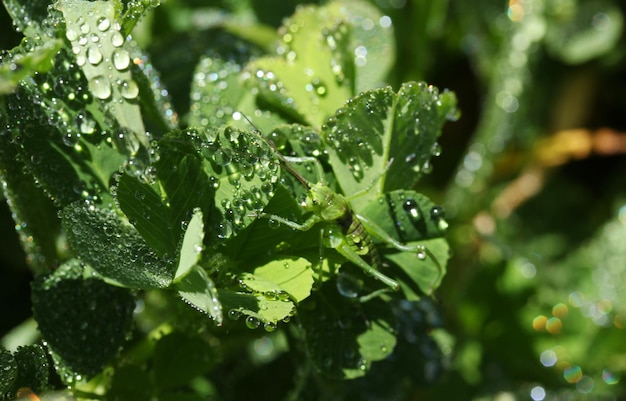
(412, 219)
(98, 45)
(191, 248)
(19, 65)
(113, 248)
(383, 141)
(199, 291)
(8, 372)
(343, 340)
(33, 369)
(74, 312)
(293, 276)
(258, 308)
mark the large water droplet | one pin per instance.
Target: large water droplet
(252, 322)
(128, 89)
(348, 285)
(224, 230)
(100, 87)
(410, 206)
(121, 59)
(94, 56)
(103, 24)
(117, 39)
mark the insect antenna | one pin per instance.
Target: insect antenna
(283, 160)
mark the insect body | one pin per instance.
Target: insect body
(349, 233)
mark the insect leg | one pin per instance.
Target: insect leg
(349, 253)
(378, 232)
(305, 226)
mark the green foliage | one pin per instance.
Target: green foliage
(230, 201)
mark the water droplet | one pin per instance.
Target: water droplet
(94, 56)
(129, 89)
(71, 35)
(121, 59)
(100, 87)
(427, 167)
(273, 223)
(221, 157)
(348, 285)
(252, 322)
(269, 326)
(234, 314)
(421, 252)
(224, 230)
(410, 206)
(435, 150)
(117, 39)
(103, 24)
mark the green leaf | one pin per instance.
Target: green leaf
(33, 369)
(105, 62)
(260, 309)
(198, 290)
(324, 56)
(113, 248)
(312, 75)
(74, 312)
(412, 219)
(385, 140)
(180, 357)
(218, 98)
(20, 64)
(244, 169)
(291, 275)
(8, 373)
(191, 248)
(344, 337)
(144, 207)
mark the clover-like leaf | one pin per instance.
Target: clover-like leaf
(412, 219)
(199, 291)
(259, 309)
(383, 141)
(343, 340)
(98, 45)
(114, 249)
(74, 311)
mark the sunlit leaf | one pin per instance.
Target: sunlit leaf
(198, 290)
(383, 140)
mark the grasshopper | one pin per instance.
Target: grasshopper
(349, 233)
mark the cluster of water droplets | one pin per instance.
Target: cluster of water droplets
(212, 81)
(96, 40)
(245, 174)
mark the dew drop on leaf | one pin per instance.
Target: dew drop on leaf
(94, 56)
(252, 322)
(224, 230)
(128, 89)
(100, 87)
(121, 59)
(117, 39)
(348, 286)
(234, 314)
(103, 24)
(410, 206)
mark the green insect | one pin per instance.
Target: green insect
(349, 233)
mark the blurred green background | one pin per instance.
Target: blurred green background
(533, 179)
